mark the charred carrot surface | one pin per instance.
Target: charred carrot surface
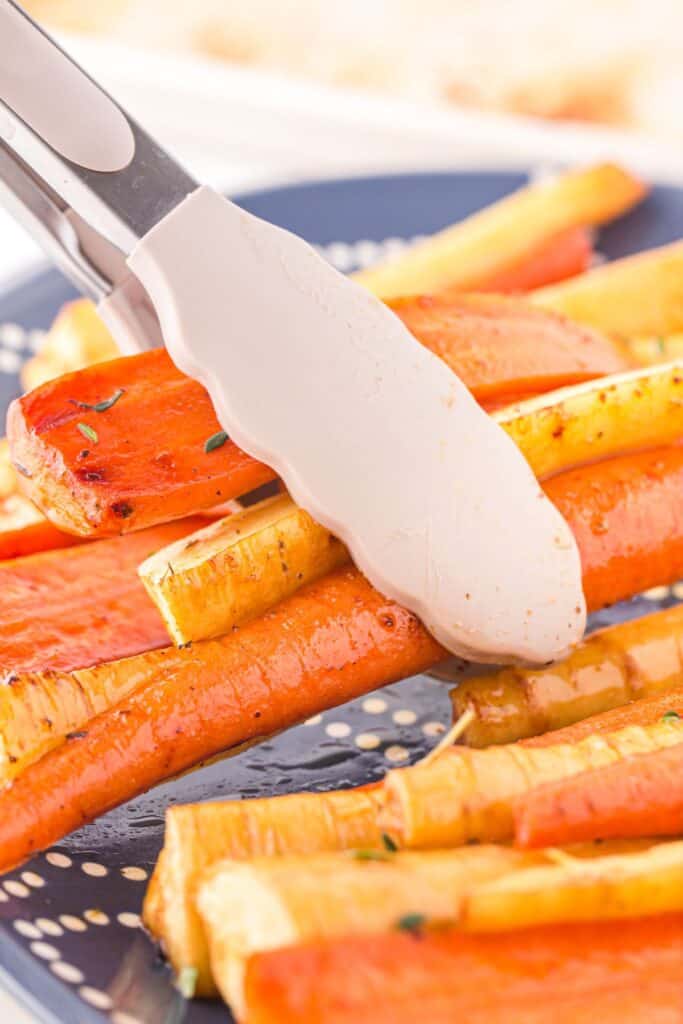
(609, 668)
(502, 349)
(637, 712)
(613, 972)
(562, 256)
(627, 517)
(641, 796)
(332, 641)
(141, 459)
(85, 605)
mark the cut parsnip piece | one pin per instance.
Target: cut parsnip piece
(269, 903)
(8, 479)
(624, 885)
(610, 416)
(199, 835)
(237, 568)
(465, 794)
(77, 338)
(501, 235)
(649, 350)
(638, 295)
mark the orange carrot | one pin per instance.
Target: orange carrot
(332, 641)
(638, 796)
(616, 972)
(146, 460)
(24, 530)
(502, 349)
(149, 462)
(559, 257)
(637, 712)
(73, 608)
(626, 514)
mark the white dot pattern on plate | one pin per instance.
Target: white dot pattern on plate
(433, 728)
(58, 860)
(28, 930)
(44, 950)
(134, 874)
(314, 720)
(129, 919)
(4, 898)
(95, 997)
(95, 870)
(72, 924)
(32, 879)
(95, 916)
(374, 705)
(49, 927)
(656, 593)
(67, 972)
(15, 888)
(395, 754)
(338, 730)
(404, 716)
(121, 1017)
(367, 740)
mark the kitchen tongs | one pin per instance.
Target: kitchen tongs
(78, 172)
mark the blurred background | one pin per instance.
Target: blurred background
(251, 93)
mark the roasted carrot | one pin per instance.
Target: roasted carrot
(302, 651)
(84, 605)
(609, 668)
(616, 972)
(139, 461)
(502, 349)
(627, 517)
(332, 641)
(640, 796)
(637, 712)
(25, 531)
(563, 255)
(132, 477)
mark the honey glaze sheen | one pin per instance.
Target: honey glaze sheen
(371, 433)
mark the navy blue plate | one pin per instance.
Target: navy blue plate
(69, 925)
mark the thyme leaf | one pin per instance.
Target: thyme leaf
(88, 432)
(215, 441)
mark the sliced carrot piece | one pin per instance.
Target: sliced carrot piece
(613, 972)
(84, 605)
(641, 796)
(564, 255)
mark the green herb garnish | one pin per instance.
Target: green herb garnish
(389, 843)
(217, 441)
(411, 923)
(102, 406)
(186, 982)
(661, 345)
(371, 855)
(88, 432)
(671, 716)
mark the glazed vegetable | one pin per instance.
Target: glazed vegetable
(617, 886)
(73, 608)
(465, 795)
(640, 796)
(609, 668)
(635, 296)
(568, 253)
(128, 477)
(273, 902)
(77, 338)
(596, 420)
(199, 835)
(613, 972)
(8, 478)
(335, 639)
(505, 349)
(627, 518)
(141, 459)
(639, 712)
(25, 531)
(500, 237)
(237, 568)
